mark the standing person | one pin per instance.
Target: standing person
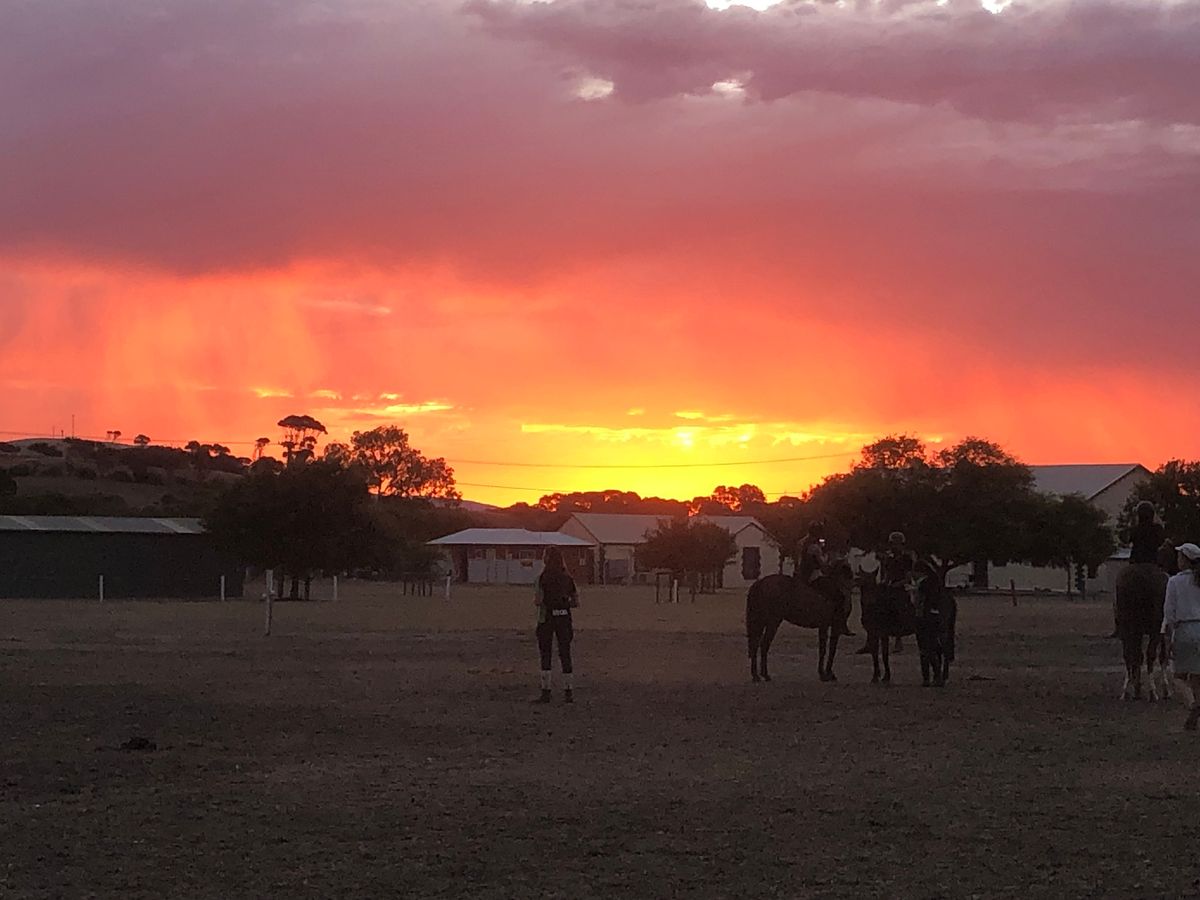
(1181, 624)
(897, 572)
(555, 597)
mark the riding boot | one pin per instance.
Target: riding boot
(544, 696)
(568, 696)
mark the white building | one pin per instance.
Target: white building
(511, 555)
(618, 535)
(1106, 487)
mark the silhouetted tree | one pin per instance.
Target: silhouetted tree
(394, 467)
(299, 438)
(141, 440)
(300, 520)
(686, 548)
(1174, 489)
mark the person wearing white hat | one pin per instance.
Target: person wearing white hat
(1181, 624)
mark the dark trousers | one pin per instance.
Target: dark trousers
(555, 627)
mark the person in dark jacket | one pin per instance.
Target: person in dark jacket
(813, 567)
(555, 597)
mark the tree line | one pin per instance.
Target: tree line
(373, 502)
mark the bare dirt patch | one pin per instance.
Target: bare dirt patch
(384, 746)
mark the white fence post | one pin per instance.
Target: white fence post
(101, 588)
(335, 589)
(222, 587)
(447, 587)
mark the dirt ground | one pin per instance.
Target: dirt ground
(385, 746)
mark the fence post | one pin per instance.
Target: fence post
(101, 588)
(447, 587)
(1012, 586)
(222, 587)
(335, 589)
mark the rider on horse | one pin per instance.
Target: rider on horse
(813, 568)
(1147, 539)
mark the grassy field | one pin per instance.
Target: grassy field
(385, 746)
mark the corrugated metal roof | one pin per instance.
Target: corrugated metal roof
(1088, 480)
(101, 524)
(631, 528)
(509, 537)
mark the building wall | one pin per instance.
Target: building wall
(752, 539)
(1113, 498)
(516, 565)
(46, 564)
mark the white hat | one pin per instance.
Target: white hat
(1191, 551)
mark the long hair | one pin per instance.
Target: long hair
(553, 561)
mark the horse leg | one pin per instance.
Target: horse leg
(768, 636)
(884, 642)
(873, 644)
(1131, 649)
(822, 645)
(1151, 675)
(833, 642)
(754, 631)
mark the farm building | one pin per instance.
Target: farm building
(617, 536)
(65, 556)
(1107, 487)
(511, 555)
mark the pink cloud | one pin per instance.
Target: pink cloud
(909, 212)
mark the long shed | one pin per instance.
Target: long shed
(65, 557)
(511, 555)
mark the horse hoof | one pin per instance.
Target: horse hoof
(766, 677)
(831, 677)
(874, 679)
(755, 679)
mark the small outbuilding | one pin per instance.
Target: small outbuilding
(511, 555)
(66, 557)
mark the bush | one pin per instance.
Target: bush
(45, 449)
(85, 474)
(20, 470)
(6, 447)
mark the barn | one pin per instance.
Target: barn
(1106, 487)
(511, 555)
(617, 536)
(66, 556)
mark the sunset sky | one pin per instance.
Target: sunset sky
(621, 232)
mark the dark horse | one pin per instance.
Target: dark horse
(1140, 591)
(778, 598)
(885, 615)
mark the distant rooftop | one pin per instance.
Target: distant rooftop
(1088, 480)
(631, 528)
(509, 537)
(101, 524)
